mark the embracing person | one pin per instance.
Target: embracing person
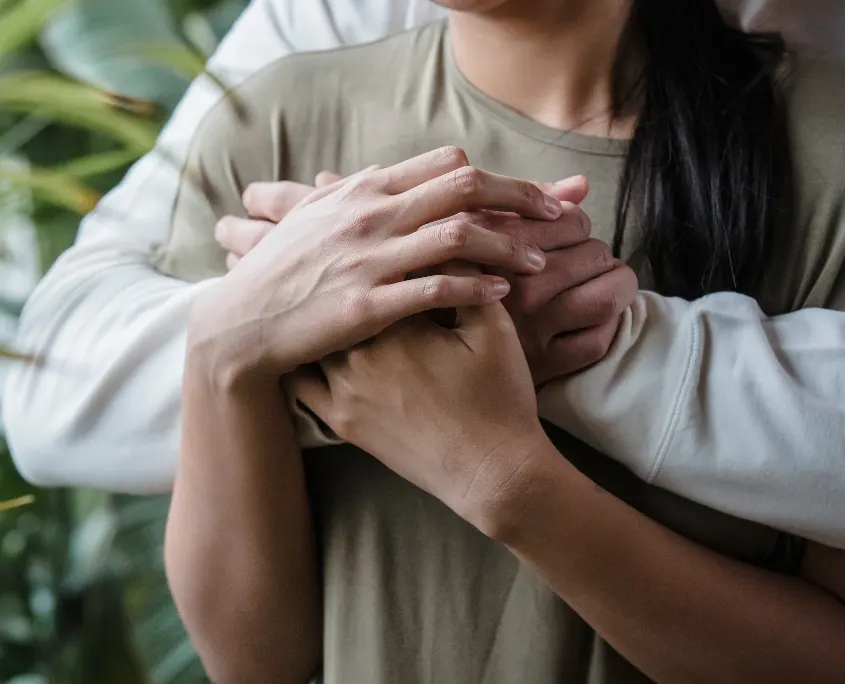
(454, 537)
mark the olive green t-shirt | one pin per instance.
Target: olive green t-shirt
(413, 594)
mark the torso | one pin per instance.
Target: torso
(413, 594)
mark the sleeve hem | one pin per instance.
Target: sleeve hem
(684, 388)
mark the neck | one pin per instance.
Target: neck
(550, 60)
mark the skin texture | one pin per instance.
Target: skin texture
(566, 316)
(240, 470)
(412, 398)
(552, 60)
(353, 271)
(473, 411)
(247, 592)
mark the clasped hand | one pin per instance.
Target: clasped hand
(566, 313)
(453, 410)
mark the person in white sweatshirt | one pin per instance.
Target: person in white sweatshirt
(454, 538)
(748, 409)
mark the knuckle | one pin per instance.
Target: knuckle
(357, 187)
(579, 222)
(530, 193)
(601, 256)
(361, 184)
(512, 247)
(435, 289)
(604, 304)
(453, 156)
(479, 290)
(352, 262)
(357, 221)
(467, 181)
(358, 310)
(373, 179)
(453, 235)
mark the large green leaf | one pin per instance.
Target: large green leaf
(22, 22)
(53, 187)
(100, 41)
(96, 164)
(53, 97)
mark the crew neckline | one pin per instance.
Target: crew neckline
(519, 122)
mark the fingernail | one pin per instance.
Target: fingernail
(553, 207)
(572, 180)
(535, 258)
(500, 288)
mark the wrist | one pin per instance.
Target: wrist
(223, 347)
(515, 473)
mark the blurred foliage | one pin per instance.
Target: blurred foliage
(84, 87)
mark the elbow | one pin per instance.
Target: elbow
(236, 638)
(249, 673)
(231, 653)
(231, 669)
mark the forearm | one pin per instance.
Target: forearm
(108, 324)
(677, 611)
(103, 409)
(240, 551)
(716, 402)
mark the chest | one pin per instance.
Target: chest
(415, 594)
(491, 146)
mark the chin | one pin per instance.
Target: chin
(471, 5)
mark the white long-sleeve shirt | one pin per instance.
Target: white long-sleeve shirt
(751, 422)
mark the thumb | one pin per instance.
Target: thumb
(325, 178)
(573, 189)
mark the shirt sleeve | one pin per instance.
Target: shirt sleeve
(104, 411)
(716, 402)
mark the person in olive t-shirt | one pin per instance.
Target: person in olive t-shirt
(441, 561)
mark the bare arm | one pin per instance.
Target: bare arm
(247, 590)
(678, 611)
(240, 551)
(453, 412)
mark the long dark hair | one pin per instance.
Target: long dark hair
(705, 168)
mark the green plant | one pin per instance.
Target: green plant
(84, 88)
